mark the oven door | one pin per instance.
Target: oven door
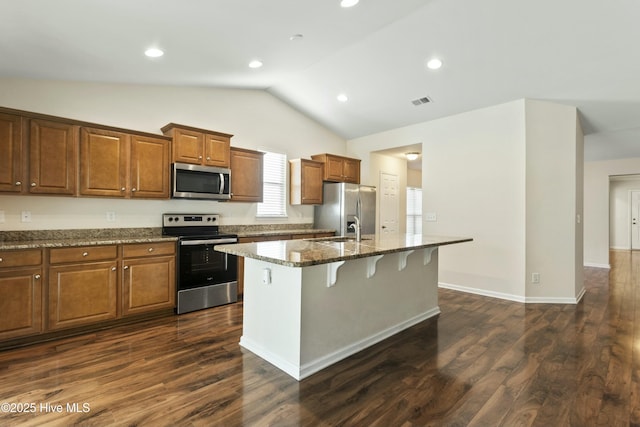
(199, 265)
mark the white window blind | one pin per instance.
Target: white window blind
(414, 210)
(274, 182)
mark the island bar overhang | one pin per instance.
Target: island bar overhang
(309, 304)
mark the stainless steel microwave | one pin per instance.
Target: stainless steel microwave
(200, 182)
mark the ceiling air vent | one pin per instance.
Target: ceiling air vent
(420, 101)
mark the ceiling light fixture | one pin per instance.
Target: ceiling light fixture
(348, 3)
(255, 64)
(412, 156)
(434, 64)
(342, 97)
(296, 37)
(154, 52)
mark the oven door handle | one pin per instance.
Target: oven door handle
(207, 242)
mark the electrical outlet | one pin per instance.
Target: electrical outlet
(266, 276)
(111, 216)
(430, 216)
(535, 278)
(26, 216)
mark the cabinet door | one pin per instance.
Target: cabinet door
(150, 167)
(103, 163)
(216, 150)
(12, 160)
(53, 157)
(246, 175)
(148, 284)
(20, 302)
(333, 169)
(81, 294)
(187, 146)
(351, 170)
(311, 185)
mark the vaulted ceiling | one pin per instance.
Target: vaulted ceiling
(577, 52)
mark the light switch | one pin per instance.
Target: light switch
(430, 216)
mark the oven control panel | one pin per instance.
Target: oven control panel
(190, 220)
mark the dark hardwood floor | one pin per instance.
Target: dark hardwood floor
(483, 362)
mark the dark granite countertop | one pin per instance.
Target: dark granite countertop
(307, 252)
(11, 240)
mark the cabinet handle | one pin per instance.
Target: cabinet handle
(126, 267)
(85, 253)
(37, 276)
(113, 269)
(133, 190)
(208, 158)
(0, 259)
(122, 189)
(33, 184)
(18, 183)
(150, 249)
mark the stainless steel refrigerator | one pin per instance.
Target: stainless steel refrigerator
(344, 201)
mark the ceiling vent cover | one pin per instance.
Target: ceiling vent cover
(420, 101)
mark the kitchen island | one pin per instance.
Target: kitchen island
(312, 302)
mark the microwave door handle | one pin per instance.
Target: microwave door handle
(221, 183)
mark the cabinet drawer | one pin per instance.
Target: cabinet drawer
(20, 258)
(82, 253)
(148, 249)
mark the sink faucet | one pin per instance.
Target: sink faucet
(357, 229)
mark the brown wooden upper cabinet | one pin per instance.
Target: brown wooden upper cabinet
(13, 158)
(199, 146)
(305, 182)
(246, 175)
(118, 164)
(339, 168)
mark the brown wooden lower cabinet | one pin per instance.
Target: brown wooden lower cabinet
(20, 293)
(266, 239)
(82, 287)
(148, 282)
(81, 294)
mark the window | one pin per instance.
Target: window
(414, 210)
(274, 181)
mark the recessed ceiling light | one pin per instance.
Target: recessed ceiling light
(154, 52)
(348, 3)
(255, 64)
(434, 64)
(342, 97)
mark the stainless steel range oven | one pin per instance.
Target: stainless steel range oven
(205, 278)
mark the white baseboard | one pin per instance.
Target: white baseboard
(307, 369)
(483, 292)
(510, 297)
(596, 265)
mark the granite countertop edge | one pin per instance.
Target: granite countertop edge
(62, 243)
(370, 246)
(284, 232)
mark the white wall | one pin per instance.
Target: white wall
(596, 206)
(479, 180)
(473, 177)
(255, 118)
(414, 178)
(553, 185)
